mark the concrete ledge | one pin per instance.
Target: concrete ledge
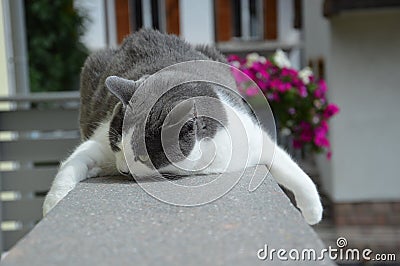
(112, 221)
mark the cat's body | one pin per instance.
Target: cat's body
(121, 72)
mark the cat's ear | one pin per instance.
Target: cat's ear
(181, 113)
(122, 88)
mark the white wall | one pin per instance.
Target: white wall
(316, 38)
(286, 31)
(95, 37)
(316, 30)
(364, 78)
(362, 56)
(196, 21)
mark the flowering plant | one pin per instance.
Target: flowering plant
(297, 98)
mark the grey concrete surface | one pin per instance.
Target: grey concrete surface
(112, 221)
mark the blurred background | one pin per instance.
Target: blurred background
(351, 44)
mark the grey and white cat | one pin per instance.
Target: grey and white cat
(110, 78)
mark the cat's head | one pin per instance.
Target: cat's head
(167, 132)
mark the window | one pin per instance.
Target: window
(245, 20)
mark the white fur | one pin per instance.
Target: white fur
(89, 159)
(283, 168)
(218, 155)
(120, 161)
(261, 149)
(287, 173)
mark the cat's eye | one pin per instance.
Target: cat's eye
(143, 158)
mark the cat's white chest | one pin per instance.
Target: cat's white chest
(236, 146)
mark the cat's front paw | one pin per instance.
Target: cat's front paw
(312, 213)
(51, 200)
(93, 172)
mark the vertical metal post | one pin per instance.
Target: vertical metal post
(19, 44)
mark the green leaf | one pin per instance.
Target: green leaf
(55, 52)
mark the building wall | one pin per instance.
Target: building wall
(316, 30)
(361, 51)
(364, 78)
(286, 31)
(197, 21)
(316, 38)
(95, 37)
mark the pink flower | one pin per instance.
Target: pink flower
(249, 73)
(280, 86)
(321, 89)
(324, 126)
(287, 88)
(330, 110)
(320, 138)
(261, 69)
(263, 84)
(283, 87)
(298, 83)
(233, 58)
(306, 134)
(303, 91)
(321, 141)
(277, 98)
(289, 72)
(238, 75)
(251, 91)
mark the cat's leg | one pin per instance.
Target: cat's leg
(287, 173)
(83, 163)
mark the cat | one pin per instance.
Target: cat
(111, 77)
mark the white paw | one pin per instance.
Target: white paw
(50, 201)
(95, 171)
(312, 213)
(56, 193)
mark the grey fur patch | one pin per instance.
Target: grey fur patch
(144, 53)
(115, 130)
(195, 128)
(121, 88)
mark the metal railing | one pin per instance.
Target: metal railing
(36, 132)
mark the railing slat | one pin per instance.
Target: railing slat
(50, 150)
(43, 97)
(47, 131)
(24, 120)
(26, 210)
(28, 180)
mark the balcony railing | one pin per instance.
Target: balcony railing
(36, 132)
